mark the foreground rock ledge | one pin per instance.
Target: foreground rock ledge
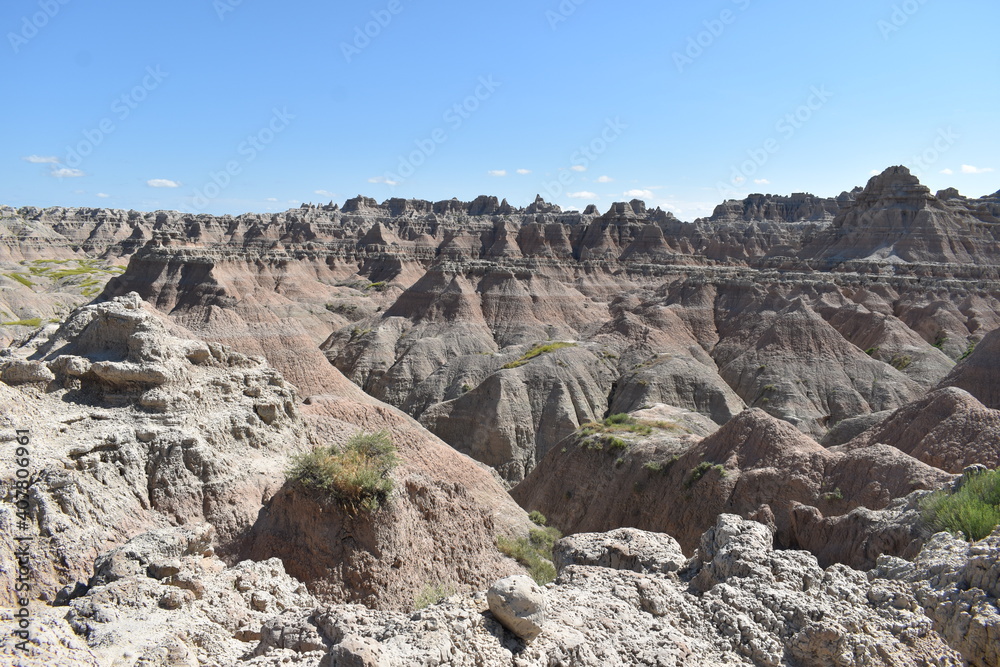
(737, 602)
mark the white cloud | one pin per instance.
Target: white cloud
(497, 172)
(582, 195)
(382, 179)
(162, 183)
(874, 172)
(761, 181)
(648, 194)
(605, 179)
(578, 167)
(66, 172)
(38, 159)
(524, 172)
(969, 169)
(323, 193)
(103, 195)
(271, 199)
(947, 172)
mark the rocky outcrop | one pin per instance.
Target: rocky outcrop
(137, 426)
(958, 586)
(948, 429)
(737, 602)
(184, 609)
(445, 509)
(754, 466)
(896, 219)
(979, 374)
(140, 427)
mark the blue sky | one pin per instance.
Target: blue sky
(229, 106)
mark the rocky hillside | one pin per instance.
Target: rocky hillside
(137, 426)
(503, 329)
(622, 598)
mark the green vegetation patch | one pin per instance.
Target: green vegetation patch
(537, 351)
(33, 322)
(701, 469)
(973, 510)
(537, 518)
(357, 477)
(21, 278)
(533, 552)
(432, 594)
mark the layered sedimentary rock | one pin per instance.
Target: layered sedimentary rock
(755, 466)
(628, 597)
(135, 425)
(948, 429)
(814, 310)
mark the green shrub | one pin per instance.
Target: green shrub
(614, 443)
(901, 362)
(533, 552)
(432, 594)
(357, 478)
(537, 518)
(973, 511)
(536, 351)
(699, 471)
(968, 351)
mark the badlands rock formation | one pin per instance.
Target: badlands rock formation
(163, 417)
(432, 307)
(755, 466)
(136, 426)
(625, 598)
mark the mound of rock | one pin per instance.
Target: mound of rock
(948, 429)
(737, 602)
(755, 466)
(134, 427)
(979, 374)
(958, 585)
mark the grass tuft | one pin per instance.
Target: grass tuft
(432, 594)
(533, 552)
(701, 469)
(537, 351)
(357, 478)
(973, 510)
